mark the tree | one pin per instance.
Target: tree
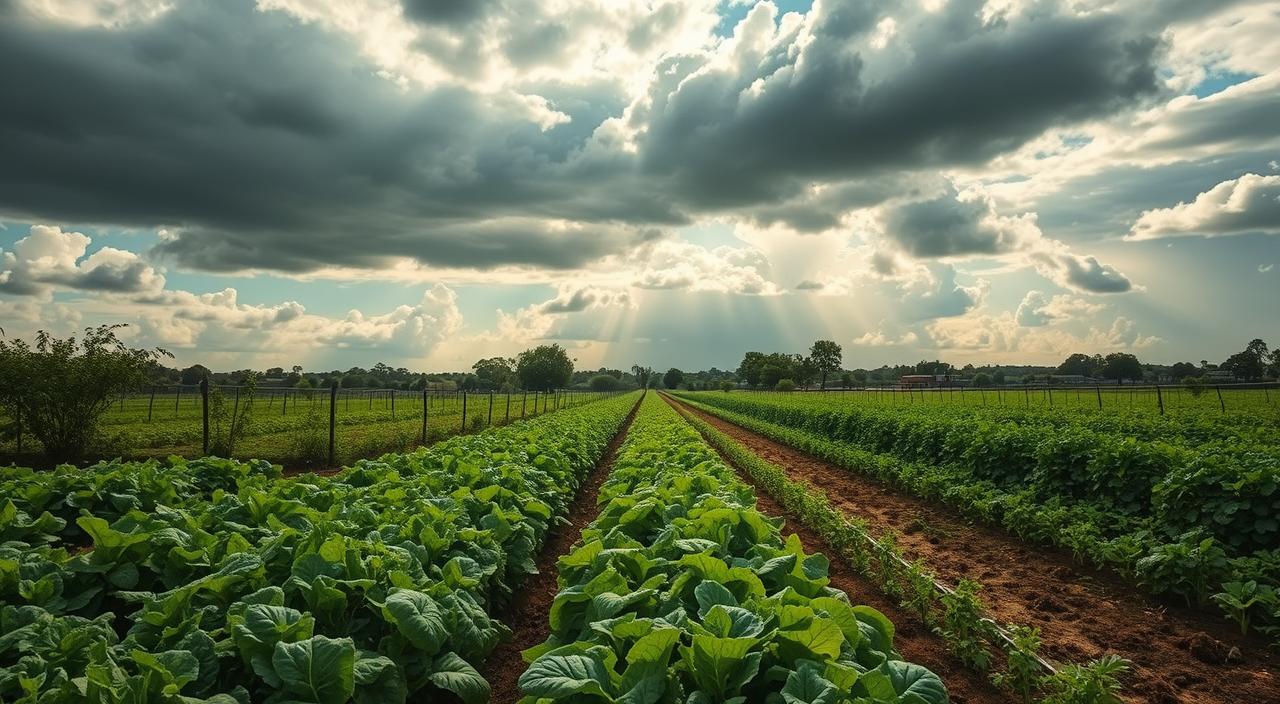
(750, 368)
(495, 372)
(1083, 365)
(604, 382)
(785, 385)
(1251, 363)
(1182, 370)
(672, 378)
(827, 357)
(194, 374)
(642, 375)
(61, 387)
(998, 378)
(846, 380)
(544, 368)
(1121, 366)
(981, 379)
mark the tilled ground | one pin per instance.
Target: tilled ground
(1178, 655)
(527, 612)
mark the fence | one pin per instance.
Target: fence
(177, 419)
(1159, 398)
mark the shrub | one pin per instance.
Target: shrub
(785, 385)
(61, 387)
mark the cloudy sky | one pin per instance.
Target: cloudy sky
(670, 182)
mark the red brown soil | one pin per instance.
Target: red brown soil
(527, 612)
(1177, 655)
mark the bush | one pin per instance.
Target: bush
(785, 385)
(61, 387)
(727, 386)
(604, 382)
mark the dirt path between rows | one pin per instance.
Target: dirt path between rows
(913, 640)
(527, 612)
(1178, 655)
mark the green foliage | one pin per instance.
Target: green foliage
(61, 387)
(1023, 672)
(826, 357)
(785, 385)
(1240, 599)
(604, 382)
(229, 418)
(681, 590)
(963, 626)
(1097, 682)
(544, 368)
(232, 584)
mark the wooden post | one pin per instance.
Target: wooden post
(176, 399)
(464, 414)
(1222, 404)
(393, 404)
(284, 404)
(426, 401)
(1026, 392)
(524, 396)
(489, 423)
(18, 419)
(151, 402)
(204, 403)
(1159, 399)
(1050, 392)
(508, 416)
(333, 418)
(1098, 389)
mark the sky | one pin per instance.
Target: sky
(661, 182)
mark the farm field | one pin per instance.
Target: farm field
(1037, 505)
(290, 427)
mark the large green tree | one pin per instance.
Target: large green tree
(826, 357)
(1121, 366)
(544, 368)
(1082, 364)
(61, 387)
(495, 372)
(672, 378)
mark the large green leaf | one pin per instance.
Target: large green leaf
(318, 670)
(456, 675)
(418, 618)
(568, 671)
(911, 679)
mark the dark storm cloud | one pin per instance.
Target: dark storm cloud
(267, 143)
(972, 91)
(947, 227)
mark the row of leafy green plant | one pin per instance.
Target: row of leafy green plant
(958, 615)
(682, 591)
(371, 585)
(1182, 558)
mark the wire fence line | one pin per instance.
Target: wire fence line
(1158, 398)
(176, 417)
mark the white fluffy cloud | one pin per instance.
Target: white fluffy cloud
(49, 258)
(1247, 204)
(1003, 336)
(671, 264)
(1038, 309)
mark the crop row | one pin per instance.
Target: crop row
(957, 615)
(370, 585)
(1193, 564)
(682, 591)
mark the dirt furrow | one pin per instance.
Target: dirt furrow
(527, 612)
(913, 640)
(1178, 655)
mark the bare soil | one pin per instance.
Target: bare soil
(1178, 655)
(527, 612)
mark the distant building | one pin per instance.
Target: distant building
(1071, 379)
(1219, 375)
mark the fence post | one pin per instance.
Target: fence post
(1098, 390)
(1221, 403)
(1159, 399)
(425, 403)
(490, 421)
(177, 398)
(1026, 392)
(508, 416)
(18, 420)
(524, 396)
(463, 430)
(284, 404)
(204, 405)
(333, 417)
(393, 404)
(151, 403)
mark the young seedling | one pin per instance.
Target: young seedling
(1023, 672)
(1239, 598)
